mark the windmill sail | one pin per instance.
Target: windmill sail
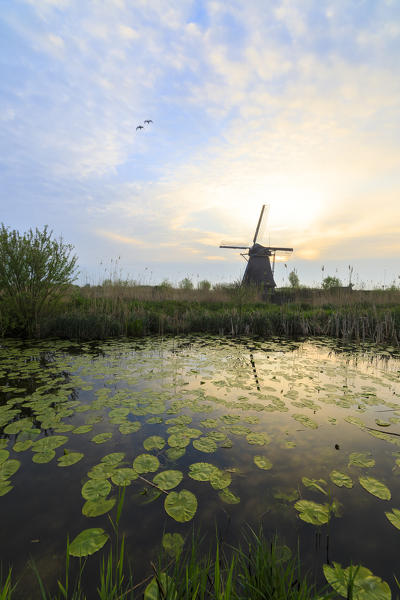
(260, 236)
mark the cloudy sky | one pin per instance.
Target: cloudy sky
(293, 103)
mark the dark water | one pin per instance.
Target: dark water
(297, 394)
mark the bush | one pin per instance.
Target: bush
(186, 284)
(331, 282)
(294, 279)
(34, 272)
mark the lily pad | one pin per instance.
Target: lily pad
(341, 479)
(366, 586)
(43, 457)
(173, 543)
(4, 454)
(262, 462)
(49, 443)
(394, 517)
(259, 439)
(178, 440)
(154, 442)
(100, 438)
(88, 542)
(175, 453)
(82, 429)
(202, 471)
(146, 463)
(205, 444)
(124, 476)
(101, 471)
(220, 479)
(95, 508)
(375, 487)
(312, 512)
(66, 460)
(361, 459)
(181, 506)
(228, 496)
(22, 446)
(113, 459)
(5, 487)
(130, 427)
(167, 480)
(306, 421)
(315, 484)
(96, 488)
(168, 588)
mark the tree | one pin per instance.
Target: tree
(35, 270)
(294, 279)
(331, 282)
(186, 284)
(204, 285)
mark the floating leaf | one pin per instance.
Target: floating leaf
(315, 484)
(289, 444)
(154, 442)
(4, 454)
(130, 427)
(117, 413)
(205, 444)
(394, 517)
(287, 496)
(341, 479)
(259, 439)
(101, 471)
(22, 446)
(262, 462)
(173, 543)
(113, 459)
(365, 585)
(361, 459)
(66, 460)
(82, 429)
(306, 421)
(95, 508)
(178, 440)
(168, 588)
(96, 488)
(88, 542)
(181, 506)
(375, 487)
(167, 480)
(5, 487)
(100, 438)
(228, 497)
(146, 463)
(175, 453)
(209, 423)
(154, 420)
(43, 457)
(202, 471)
(312, 512)
(220, 479)
(49, 443)
(124, 476)
(382, 423)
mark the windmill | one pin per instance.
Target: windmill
(259, 270)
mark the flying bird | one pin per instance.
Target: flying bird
(139, 127)
(148, 121)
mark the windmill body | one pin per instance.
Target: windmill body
(259, 271)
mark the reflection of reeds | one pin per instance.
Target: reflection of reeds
(96, 312)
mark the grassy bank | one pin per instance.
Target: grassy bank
(116, 310)
(256, 569)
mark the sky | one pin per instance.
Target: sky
(292, 103)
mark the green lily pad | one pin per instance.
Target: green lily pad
(304, 420)
(341, 479)
(5, 487)
(262, 462)
(100, 438)
(228, 497)
(220, 479)
(43, 457)
(88, 542)
(366, 586)
(202, 471)
(96, 488)
(382, 423)
(4, 454)
(101, 471)
(22, 446)
(259, 439)
(113, 459)
(168, 588)
(181, 506)
(66, 460)
(154, 442)
(361, 459)
(124, 476)
(173, 543)
(175, 453)
(394, 517)
(95, 508)
(209, 423)
(375, 487)
(146, 463)
(82, 429)
(167, 480)
(315, 484)
(205, 444)
(154, 420)
(178, 440)
(312, 512)
(49, 443)
(130, 427)
(117, 413)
